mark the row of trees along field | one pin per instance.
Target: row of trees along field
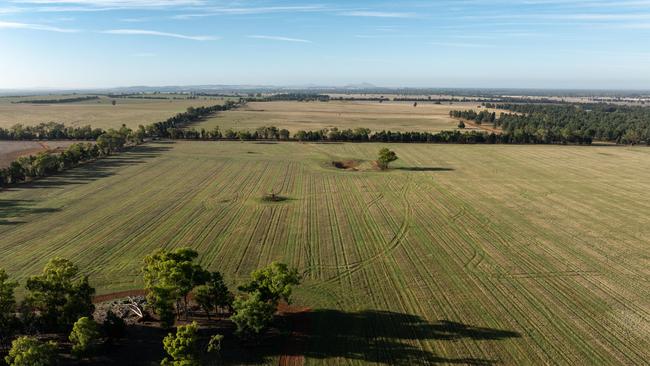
(59, 101)
(59, 302)
(26, 168)
(555, 123)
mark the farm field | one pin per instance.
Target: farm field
(97, 113)
(480, 254)
(294, 116)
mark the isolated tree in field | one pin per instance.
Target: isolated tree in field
(386, 157)
(59, 297)
(113, 102)
(214, 294)
(29, 351)
(84, 337)
(273, 283)
(173, 274)
(461, 124)
(182, 347)
(252, 314)
(8, 321)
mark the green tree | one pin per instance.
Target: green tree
(60, 299)
(252, 314)
(113, 326)
(461, 124)
(8, 321)
(29, 351)
(182, 347)
(273, 283)
(386, 156)
(214, 294)
(175, 272)
(84, 336)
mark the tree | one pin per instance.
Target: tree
(60, 299)
(252, 314)
(273, 282)
(113, 102)
(29, 351)
(174, 273)
(214, 294)
(461, 124)
(386, 156)
(182, 347)
(8, 321)
(84, 337)
(113, 326)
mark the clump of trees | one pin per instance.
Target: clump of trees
(478, 118)
(386, 156)
(49, 131)
(58, 300)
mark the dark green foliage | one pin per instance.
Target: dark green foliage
(84, 337)
(60, 298)
(252, 314)
(214, 294)
(8, 320)
(58, 101)
(29, 351)
(182, 347)
(113, 326)
(273, 283)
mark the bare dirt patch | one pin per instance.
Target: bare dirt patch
(347, 164)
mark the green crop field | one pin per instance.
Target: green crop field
(460, 254)
(294, 116)
(97, 113)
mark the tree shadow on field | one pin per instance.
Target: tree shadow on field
(95, 170)
(367, 336)
(13, 209)
(425, 169)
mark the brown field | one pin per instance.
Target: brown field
(294, 116)
(10, 150)
(97, 113)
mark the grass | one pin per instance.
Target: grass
(296, 116)
(97, 113)
(460, 254)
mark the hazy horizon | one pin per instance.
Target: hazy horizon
(537, 44)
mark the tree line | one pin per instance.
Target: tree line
(478, 118)
(577, 122)
(57, 101)
(59, 301)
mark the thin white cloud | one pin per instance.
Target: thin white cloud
(116, 3)
(215, 11)
(276, 38)
(144, 32)
(377, 14)
(40, 27)
(460, 44)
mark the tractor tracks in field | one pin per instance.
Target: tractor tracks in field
(395, 242)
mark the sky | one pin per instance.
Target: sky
(586, 44)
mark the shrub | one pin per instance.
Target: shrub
(29, 351)
(84, 337)
(182, 346)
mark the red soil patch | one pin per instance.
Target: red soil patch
(117, 295)
(293, 349)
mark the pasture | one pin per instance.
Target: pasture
(460, 254)
(98, 113)
(294, 116)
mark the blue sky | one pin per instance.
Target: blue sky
(472, 43)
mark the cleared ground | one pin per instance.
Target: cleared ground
(97, 113)
(376, 116)
(462, 254)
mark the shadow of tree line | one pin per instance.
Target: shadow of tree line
(368, 336)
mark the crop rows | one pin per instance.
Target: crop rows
(465, 254)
